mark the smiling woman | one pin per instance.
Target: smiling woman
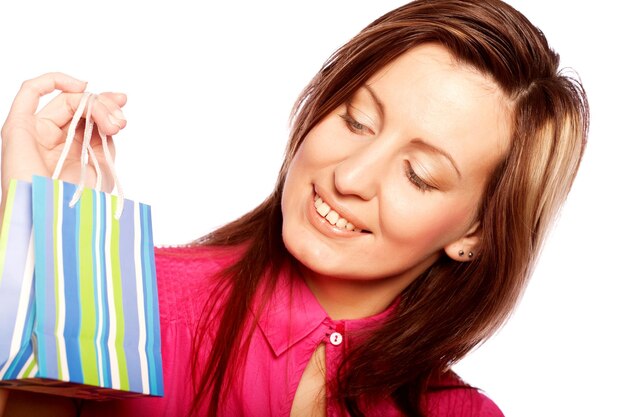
(426, 160)
(362, 162)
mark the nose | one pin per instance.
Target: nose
(361, 172)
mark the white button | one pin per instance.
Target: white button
(336, 338)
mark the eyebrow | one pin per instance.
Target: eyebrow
(379, 104)
(439, 151)
(381, 111)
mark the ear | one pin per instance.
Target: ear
(466, 248)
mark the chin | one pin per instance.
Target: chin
(312, 257)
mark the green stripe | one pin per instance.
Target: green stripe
(117, 291)
(6, 223)
(87, 334)
(30, 369)
(55, 222)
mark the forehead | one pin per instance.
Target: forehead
(429, 95)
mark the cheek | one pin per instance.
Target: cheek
(424, 224)
(295, 182)
(317, 155)
(305, 162)
(321, 147)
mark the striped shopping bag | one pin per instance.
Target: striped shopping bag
(91, 322)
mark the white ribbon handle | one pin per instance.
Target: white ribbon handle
(71, 132)
(87, 100)
(116, 181)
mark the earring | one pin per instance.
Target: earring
(470, 254)
(461, 253)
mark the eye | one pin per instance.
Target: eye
(354, 125)
(416, 179)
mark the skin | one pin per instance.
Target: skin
(356, 159)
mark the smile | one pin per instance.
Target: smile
(332, 217)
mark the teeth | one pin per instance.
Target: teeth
(332, 216)
(323, 209)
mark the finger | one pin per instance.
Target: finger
(27, 98)
(119, 99)
(109, 116)
(61, 109)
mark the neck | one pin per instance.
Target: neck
(348, 299)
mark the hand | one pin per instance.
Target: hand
(32, 141)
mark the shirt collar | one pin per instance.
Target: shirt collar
(292, 313)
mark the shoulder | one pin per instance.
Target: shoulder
(187, 277)
(449, 396)
(192, 262)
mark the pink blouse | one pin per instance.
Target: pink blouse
(288, 332)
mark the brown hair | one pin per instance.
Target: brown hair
(453, 306)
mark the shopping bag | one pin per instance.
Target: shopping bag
(92, 318)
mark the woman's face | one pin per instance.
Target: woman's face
(391, 179)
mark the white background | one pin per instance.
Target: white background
(210, 90)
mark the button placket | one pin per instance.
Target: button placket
(336, 338)
(337, 334)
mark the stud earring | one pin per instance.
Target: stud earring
(461, 253)
(470, 254)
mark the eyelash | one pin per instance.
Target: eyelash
(415, 179)
(355, 126)
(360, 129)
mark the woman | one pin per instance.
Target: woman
(426, 161)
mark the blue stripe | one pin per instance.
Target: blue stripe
(96, 239)
(49, 347)
(153, 339)
(18, 363)
(129, 297)
(43, 208)
(26, 349)
(27, 345)
(96, 285)
(106, 378)
(94, 273)
(70, 227)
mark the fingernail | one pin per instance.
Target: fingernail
(119, 115)
(114, 121)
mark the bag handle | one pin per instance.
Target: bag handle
(87, 100)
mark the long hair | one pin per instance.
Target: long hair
(453, 306)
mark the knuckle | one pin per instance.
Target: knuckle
(29, 85)
(34, 83)
(8, 129)
(69, 106)
(26, 84)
